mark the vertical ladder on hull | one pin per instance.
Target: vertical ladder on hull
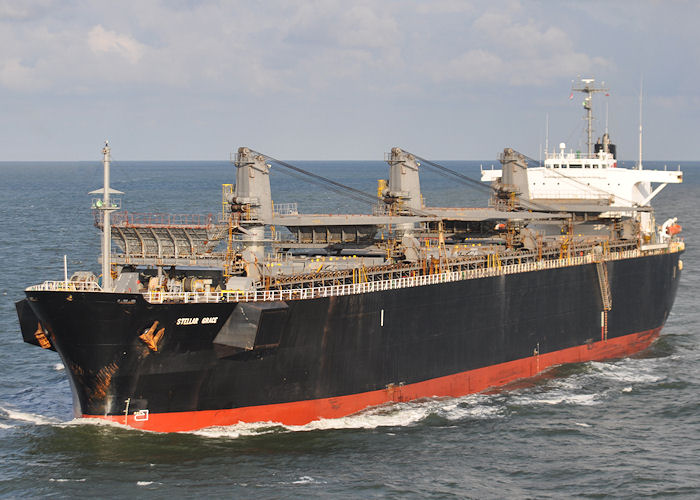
(604, 284)
(605, 295)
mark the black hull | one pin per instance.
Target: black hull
(334, 347)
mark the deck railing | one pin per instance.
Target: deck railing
(158, 297)
(381, 285)
(162, 219)
(71, 286)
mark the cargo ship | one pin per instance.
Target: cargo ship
(262, 313)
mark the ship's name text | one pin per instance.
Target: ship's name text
(208, 320)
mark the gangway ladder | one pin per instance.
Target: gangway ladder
(606, 296)
(230, 250)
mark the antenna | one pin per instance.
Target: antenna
(606, 116)
(641, 92)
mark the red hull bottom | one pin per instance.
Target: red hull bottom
(459, 384)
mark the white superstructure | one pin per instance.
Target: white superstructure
(571, 178)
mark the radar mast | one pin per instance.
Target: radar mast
(588, 87)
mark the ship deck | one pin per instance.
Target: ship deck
(390, 277)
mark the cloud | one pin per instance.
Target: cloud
(24, 10)
(365, 26)
(301, 49)
(473, 66)
(362, 69)
(102, 41)
(327, 43)
(16, 76)
(520, 51)
(212, 46)
(445, 7)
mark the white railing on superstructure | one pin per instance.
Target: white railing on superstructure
(285, 209)
(70, 286)
(577, 155)
(578, 194)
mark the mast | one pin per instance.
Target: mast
(588, 87)
(106, 227)
(106, 206)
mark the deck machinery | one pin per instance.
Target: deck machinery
(256, 245)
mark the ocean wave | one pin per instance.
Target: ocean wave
(97, 422)
(29, 417)
(307, 480)
(239, 430)
(475, 406)
(556, 398)
(644, 371)
(593, 384)
(579, 389)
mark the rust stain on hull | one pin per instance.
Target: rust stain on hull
(103, 380)
(41, 337)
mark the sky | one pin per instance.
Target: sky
(336, 80)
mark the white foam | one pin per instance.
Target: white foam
(29, 417)
(643, 371)
(98, 422)
(575, 389)
(239, 430)
(42, 420)
(472, 407)
(304, 480)
(381, 416)
(386, 415)
(569, 390)
(556, 398)
(144, 483)
(58, 367)
(582, 424)
(572, 383)
(62, 480)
